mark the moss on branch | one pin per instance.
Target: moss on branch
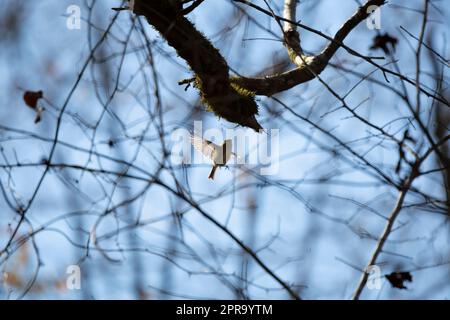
(227, 100)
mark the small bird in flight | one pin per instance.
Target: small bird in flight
(219, 155)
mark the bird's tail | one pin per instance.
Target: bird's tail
(213, 171)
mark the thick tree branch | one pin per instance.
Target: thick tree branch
(291, 36)
(290, 7)
(225, 99)
(315, 65)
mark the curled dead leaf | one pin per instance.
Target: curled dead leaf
(31, 98)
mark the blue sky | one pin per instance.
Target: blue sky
(301, 245)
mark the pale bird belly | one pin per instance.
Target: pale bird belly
(219, 158)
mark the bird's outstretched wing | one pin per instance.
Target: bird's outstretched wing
(206, 147)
